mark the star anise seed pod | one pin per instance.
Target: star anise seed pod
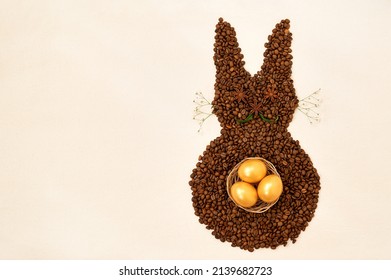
(240, 95)
(255, 108)
(271, 94)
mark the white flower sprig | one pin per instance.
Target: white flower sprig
(203, 109)
(309, 106)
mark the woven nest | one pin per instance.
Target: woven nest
(233, 177)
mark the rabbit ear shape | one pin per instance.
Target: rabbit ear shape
(230, 72)
(274, 79)
(277, 64)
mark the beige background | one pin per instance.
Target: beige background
(97, 140)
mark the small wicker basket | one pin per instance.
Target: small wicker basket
(233, 177)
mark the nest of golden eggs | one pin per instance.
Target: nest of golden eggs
(254, 185)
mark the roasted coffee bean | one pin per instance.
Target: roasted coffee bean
(271, 93)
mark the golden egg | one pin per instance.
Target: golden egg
(270, 188)
(244, 194)
(252, 170)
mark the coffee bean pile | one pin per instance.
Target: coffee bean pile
(270, 92)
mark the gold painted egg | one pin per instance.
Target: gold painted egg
(252, 170)
(270, 188)
(244, 194)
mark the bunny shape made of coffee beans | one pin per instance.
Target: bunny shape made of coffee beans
(254, 112)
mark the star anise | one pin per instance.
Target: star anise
(255, 108)
(271, 94)
(240, 95)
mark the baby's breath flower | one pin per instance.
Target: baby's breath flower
(203, 109)
(309, 106)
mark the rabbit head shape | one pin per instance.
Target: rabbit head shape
(254, 112)
(268, 95)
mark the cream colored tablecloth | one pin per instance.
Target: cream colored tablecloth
(97, 140)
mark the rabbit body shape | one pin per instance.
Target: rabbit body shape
(254, 113)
